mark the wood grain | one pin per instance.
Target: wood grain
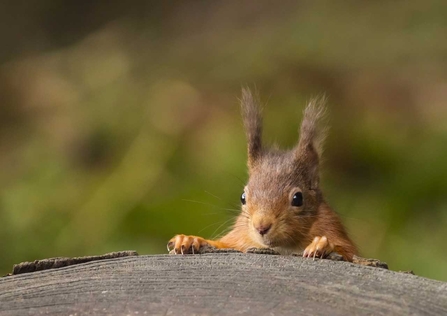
(220, 284)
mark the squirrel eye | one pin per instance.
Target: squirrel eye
(243, 198)
(297, 199)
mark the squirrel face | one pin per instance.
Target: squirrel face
(282, 195)
(278, 200)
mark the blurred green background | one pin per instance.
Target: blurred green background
(120, 127)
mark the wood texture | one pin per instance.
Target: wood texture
(220, 284)
(59, 262)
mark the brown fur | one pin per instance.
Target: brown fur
(274, 177)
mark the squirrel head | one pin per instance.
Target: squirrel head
(282, 195)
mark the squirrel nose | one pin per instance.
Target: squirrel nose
(263, 229)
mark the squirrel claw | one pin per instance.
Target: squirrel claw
(184, 244)
(318, 248)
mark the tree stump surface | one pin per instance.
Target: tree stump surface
(220, 284)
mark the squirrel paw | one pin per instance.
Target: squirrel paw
(182, 244)
(318, 248)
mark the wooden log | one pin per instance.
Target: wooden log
(223, 284)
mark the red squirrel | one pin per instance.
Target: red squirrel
(282, 204)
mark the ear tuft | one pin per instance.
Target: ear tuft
(310, 132)
(251, 114)
(310, 145)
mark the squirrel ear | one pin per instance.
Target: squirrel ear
(309, 149)
(251, 114)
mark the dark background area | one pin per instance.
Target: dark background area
(120, 127)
